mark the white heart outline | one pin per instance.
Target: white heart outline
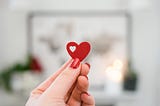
(72, 48)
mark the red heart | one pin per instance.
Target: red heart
(78, 51)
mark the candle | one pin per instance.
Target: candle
(114, 78)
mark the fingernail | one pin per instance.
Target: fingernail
(75, 64)
(86, 76)
(88, 65)
(87, 93)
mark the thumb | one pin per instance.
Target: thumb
(64, 81)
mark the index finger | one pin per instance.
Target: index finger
(64, 81)
(43, 86)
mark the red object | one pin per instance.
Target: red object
(86, 76)
(35, 65)
(75, 64)
(87, 93)
(78, 51)
(88, 65)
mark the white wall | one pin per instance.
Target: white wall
(145, 38)
(1, 41)
(2, 34)
(13, 36)
(69, 4)
(157, 8)
(145, 46)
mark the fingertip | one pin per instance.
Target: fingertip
(85, 69)
(83, 81)
(88, 65)
(86, 77)
(87, 98)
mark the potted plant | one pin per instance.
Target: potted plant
(130, 80)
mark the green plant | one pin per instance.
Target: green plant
(130, 79)
(7, 73)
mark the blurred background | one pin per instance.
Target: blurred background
(124, 35)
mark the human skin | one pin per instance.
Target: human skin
(66, 87)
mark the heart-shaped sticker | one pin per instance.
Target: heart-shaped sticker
(78, 51)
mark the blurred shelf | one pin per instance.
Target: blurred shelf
(103, 99)
(12, 99)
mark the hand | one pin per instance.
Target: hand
(66, 87)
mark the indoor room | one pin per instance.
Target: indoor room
(92, 52)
